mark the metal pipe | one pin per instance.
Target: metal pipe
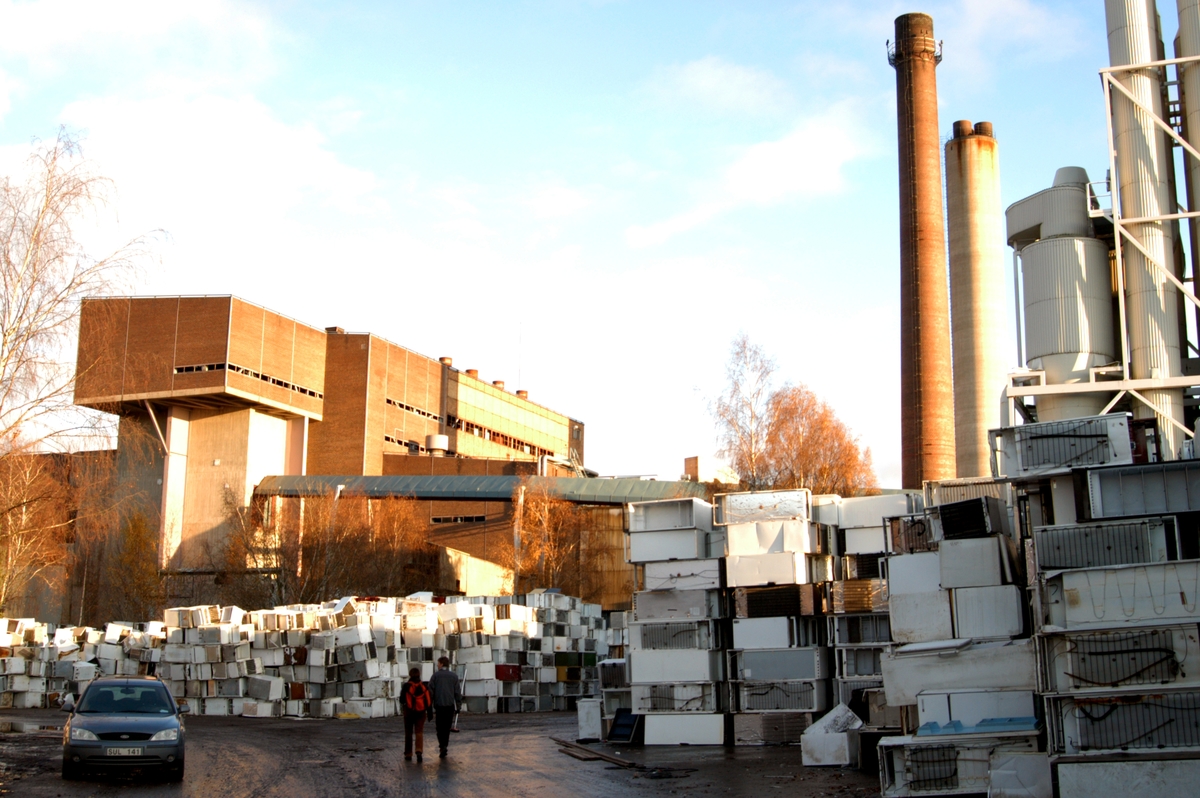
(1143, 180)
(973, 216)
(1187, 45)
(926, 388)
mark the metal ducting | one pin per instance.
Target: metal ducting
(1067, 287)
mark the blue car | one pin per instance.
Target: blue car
(124, 723)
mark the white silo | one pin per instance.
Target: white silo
(977, 324)
(1067, 286)
(1143, 164)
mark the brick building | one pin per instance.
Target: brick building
(234, 392)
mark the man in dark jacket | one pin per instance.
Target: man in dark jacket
(447, 695)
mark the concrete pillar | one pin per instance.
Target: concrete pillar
(176, 433)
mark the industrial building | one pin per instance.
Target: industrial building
(232, 392)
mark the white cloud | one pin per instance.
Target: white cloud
(555, 200)
(805, 164)
(719, 85)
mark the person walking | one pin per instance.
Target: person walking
(417, 703)
(447, 696)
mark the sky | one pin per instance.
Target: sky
(587, 200)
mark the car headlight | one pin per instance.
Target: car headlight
(82, 734)
(165, 734)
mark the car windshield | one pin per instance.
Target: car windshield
(139, 699)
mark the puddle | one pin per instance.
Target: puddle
(21, 727)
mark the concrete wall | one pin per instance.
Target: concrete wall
(473, 576)
(228, 453)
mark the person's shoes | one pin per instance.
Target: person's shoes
(408, 757)
(454, 730)
(420, 758)
(442, 754)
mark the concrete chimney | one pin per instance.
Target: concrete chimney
(976, 291)
(926, 384)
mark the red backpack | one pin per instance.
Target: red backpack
(417, 697)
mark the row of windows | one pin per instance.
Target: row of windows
(413, 446)
(249, 373)
(458, 519)
(417, 410)
(496, 437)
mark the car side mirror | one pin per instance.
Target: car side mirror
(67, 708)
(185, 708)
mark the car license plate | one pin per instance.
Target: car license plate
(122, 752)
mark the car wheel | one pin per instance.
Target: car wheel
(70, 772)
(176, 774)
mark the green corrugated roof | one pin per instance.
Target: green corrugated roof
(455, 488)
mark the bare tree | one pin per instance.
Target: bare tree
(329, 546)
(742, 411)
(785, 438)
(551, 531)
(45, 272)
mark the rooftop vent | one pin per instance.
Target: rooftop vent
(499, 384)
(335, 331)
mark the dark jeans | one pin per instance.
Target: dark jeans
(444, 716)
(414, 727)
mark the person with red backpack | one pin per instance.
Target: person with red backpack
(417, 704)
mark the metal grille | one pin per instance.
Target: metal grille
(795, 696)
(768, 602)
(847, 688)
(1062, 444)
(972, 518)
(1124, 658)
(911, 535)
(1094, 545)
(675, 635)
(866, 566)
(932, 767)
(1170, 720)
(613, 674)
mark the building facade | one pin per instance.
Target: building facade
(233, 392)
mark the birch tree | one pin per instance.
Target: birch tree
(45, 271)
(741, 411)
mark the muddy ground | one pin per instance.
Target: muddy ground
(495, 755)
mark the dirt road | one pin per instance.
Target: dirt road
(496, 755)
